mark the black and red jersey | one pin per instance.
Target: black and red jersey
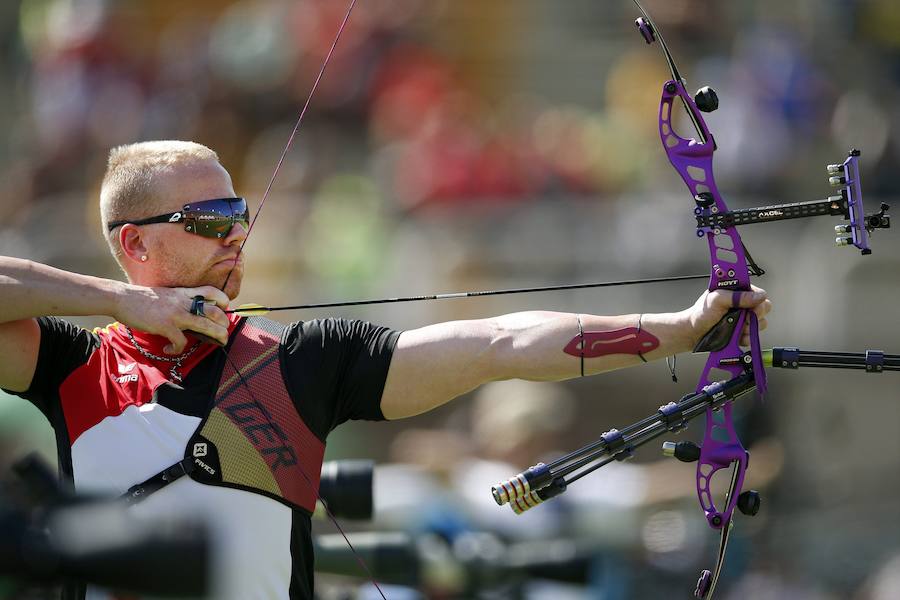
(119, 420)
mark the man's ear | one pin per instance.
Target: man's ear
(133, 244)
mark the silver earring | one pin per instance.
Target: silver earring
(144, 258)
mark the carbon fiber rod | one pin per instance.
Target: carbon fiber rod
(871, 361)
(618, 445)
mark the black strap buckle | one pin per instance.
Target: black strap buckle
(178, 470)
(137, 492)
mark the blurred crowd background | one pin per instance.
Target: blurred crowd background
(463, 144)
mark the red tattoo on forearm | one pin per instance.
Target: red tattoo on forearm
(629, 340)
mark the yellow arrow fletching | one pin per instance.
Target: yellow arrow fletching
(251, 310)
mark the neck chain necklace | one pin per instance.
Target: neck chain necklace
(177, 360)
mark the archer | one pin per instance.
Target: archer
(180, 406)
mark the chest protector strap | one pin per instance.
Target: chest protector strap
(252, 437)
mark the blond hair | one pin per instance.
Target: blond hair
(130, 185)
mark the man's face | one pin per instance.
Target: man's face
(183, 259)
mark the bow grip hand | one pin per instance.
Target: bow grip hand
(721, 333)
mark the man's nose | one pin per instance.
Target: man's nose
(237, 235)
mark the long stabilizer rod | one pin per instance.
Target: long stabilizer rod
(870, 361)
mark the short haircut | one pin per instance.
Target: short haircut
(130, 185)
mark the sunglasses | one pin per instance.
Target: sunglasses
(207, 218)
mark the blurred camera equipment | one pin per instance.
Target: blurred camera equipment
(48, 534)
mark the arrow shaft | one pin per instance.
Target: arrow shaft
(475, 294)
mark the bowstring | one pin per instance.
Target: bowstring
(269, 186)
(293, 135)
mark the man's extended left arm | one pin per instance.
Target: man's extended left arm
(437, 363)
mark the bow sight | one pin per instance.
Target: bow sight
(848, 203)
(731, 371)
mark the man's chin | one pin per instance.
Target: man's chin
(233, 288)
(232, 293)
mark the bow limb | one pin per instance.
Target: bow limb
(729, 270)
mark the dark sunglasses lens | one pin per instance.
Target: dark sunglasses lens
(209, 225)
(215, 218)
(243, 217)
(223, 207)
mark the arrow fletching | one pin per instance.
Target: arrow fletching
(250, 310)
